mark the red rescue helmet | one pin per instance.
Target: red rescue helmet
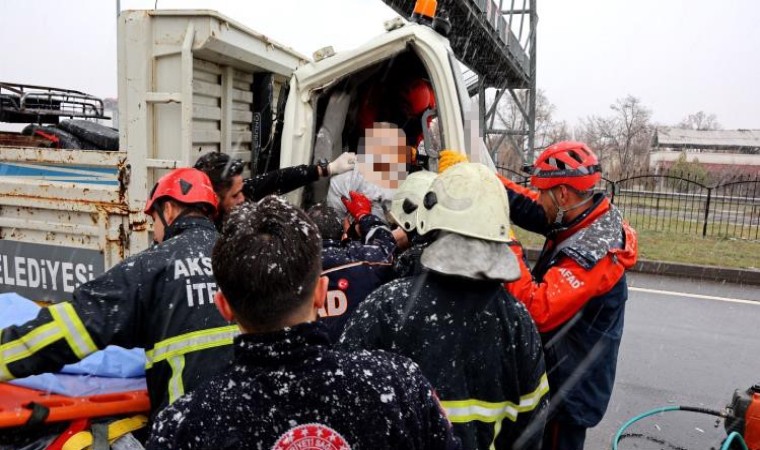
(568, 162)
(185, 185)
(417, 96)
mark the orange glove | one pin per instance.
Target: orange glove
(358, 206)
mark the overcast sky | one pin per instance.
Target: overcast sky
(677, 56)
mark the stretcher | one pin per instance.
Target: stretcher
(23, 406)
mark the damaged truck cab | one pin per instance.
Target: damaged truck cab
(192, 82)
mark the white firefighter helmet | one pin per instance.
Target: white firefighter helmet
(408, 198)
(467, 199)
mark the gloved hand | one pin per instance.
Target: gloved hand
(343, 163)
(448, 158)
(358, 206)
(329, 134)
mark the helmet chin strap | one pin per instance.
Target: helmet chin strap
(159, 209)
(561, 211)
(168, 228)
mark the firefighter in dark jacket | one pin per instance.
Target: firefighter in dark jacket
(577, 290)
(288, 388)
(354, 266)
(403, 213)
(160, 299)
(475, 343)
(232, 190)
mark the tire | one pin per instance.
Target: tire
(64, 139)
(101, 136)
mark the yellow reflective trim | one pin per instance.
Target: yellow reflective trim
(5, 374)
(74, 330)
(496, 431)
(116, 429)
(30, 343)
(176, 386)
(463, 411)
(190, 342)
(473, 413)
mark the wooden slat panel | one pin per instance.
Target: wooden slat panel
(205, 125)
(208, 89)
(206, 112)
(205, 76)
(206, 100)
(245, 77)
(242, 116)
(205, 66)
(242, 96)
(206, 136)
(241, 85)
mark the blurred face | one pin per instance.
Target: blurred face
(233, 196)
(383, 161)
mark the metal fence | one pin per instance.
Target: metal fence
(682, 204)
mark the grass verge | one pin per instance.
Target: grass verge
(669, 246)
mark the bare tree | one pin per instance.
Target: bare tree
(622, 139)
(508, 115)
(700, 121)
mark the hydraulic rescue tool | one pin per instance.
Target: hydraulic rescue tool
(741, 420)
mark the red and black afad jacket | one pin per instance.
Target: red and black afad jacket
(355, 268)
(576, 294)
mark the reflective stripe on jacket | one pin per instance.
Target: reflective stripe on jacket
(160, 299)
(576, 294)
(475, 343)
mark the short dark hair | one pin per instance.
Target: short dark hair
(267, 261)
(220, 169)
(327, 220)
(187, 209)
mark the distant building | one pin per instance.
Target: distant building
(720, 152)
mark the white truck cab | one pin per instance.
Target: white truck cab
(191, 82)
(407, 51)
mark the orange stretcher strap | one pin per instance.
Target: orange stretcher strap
(15, 412)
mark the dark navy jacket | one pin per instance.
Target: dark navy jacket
(291, 389)
(279, 181)
(161, 299)
(475, 343)
(355, 268)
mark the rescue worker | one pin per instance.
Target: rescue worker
(288, 387)
(403, 211)
(577, 290)
(416, 97)
(406, 201)
(475, 343)
(160, 299)
(226, 176)
(354, 266)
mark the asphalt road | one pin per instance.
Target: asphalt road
(685, 342)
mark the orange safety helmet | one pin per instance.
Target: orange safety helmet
(417, 96)
(568, 162)
(185, 185)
